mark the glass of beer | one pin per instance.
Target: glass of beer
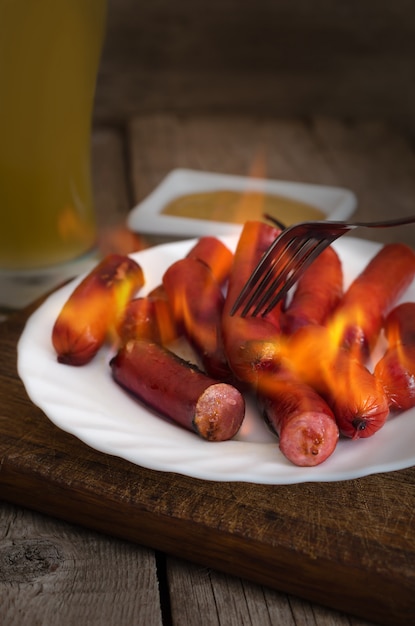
(49, 57)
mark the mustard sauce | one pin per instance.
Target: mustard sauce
(238, 207)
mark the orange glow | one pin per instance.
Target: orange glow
(165, 322)
(396, 372)
(350, 330)
(354, 394)
(252, 202)
(71, 226)
(215, 254)
(93, 310)
(394, 334)
(120, 240)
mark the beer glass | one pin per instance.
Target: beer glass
(49, 57)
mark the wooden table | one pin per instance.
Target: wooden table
(91, 539)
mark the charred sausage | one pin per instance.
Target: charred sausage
(92, 311)
(359, 317)
(215, 254)
(149, 317)
(396, 369)
(399, 325)
(179, 390)
(139, 321)
(196, 300)
(354, 394)
(305, 424)
(242, 334)
(317, 293)
(253, 242)
(396, 373)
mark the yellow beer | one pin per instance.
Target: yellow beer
(49, 56)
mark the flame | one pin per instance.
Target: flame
(396, 368)
(216, 255)
(197, 325)
(71, 226)
(354, 394)
(119, 240)
(252, 202)
(394, 334)
(96, 307)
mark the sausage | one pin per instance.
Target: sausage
(305, 424)
(179, 390)
(241, 335)
(92, 311)
(399, 326)
(215, 254)
(396, 369)
(254, 241)
(317, 293)
(196, 300)
(149, 317)
(139, 321)
(396, 373)
(359, 317)
(360, 404)
(354, 394)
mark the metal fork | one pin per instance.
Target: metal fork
(289, 256)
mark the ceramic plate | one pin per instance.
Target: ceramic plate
(148, 217)
(86, 402)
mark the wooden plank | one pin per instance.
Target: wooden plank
(53, 572)
(195, 590)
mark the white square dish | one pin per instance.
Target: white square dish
(149, 217)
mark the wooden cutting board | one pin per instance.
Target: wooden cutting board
(348, 545)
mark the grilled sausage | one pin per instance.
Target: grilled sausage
(399, 325)
(92, 311)
(396, 369)
(396, 373)
(305, 424)
(139, 321)
(317, 293)
(179, 390)
(353, 393)
(242, 334)
(196, 300)
(359, 317)
(215, 254)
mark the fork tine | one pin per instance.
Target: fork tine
(260, 269)
(305, 241)
(301, 249)
(258, 292)
(299, 269)
(282, 255)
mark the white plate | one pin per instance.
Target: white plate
(335, 202)
(86, 402)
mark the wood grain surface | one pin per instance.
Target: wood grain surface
(354, 60)
(349, 546)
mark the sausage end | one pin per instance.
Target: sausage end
(219, 412)
(309, 439)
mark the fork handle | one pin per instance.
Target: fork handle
(400, 221)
